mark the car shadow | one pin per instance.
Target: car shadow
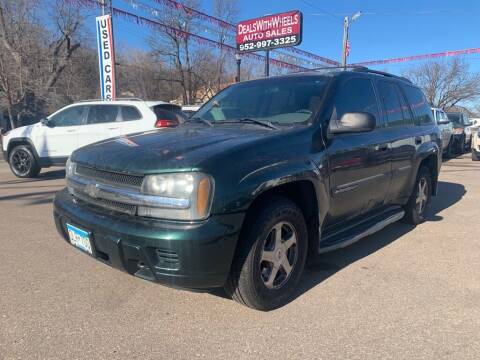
(48, 175)
(328, 264)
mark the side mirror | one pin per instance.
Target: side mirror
(443, 122)
(47, 122)
(354, 122)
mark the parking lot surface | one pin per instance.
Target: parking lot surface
(403, 293)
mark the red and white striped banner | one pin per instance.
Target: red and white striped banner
(419, 57)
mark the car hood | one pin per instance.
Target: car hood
(166, 150)
(23, 131)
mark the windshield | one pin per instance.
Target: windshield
(290, 100)
(456, 119)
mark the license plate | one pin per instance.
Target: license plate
(79, 238)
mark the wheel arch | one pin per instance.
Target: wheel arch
(14, 142)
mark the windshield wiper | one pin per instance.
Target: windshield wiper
(199, 119)
(267, 124)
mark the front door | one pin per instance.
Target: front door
(359, 163)
(59, 137)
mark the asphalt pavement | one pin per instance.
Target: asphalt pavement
(403, 293)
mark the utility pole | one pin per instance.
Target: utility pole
(345, 41)
(346, 25)
(102, 3)
(113, 44)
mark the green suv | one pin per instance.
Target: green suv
(268, 173)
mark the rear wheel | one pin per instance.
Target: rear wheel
(23, 163)
(449, 151)
(475, 155)
(270, 258)
(420, 198)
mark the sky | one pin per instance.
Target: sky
(387, 29)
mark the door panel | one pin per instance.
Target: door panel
(102, 123)
(60, 137)
(359, 164)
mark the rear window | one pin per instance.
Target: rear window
(130, 113)
(419, 105)
(169, 112)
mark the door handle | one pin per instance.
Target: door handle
(418, 140)
(381, 147)
(71, 131)
(112, 128)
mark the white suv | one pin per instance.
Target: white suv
(50, 142)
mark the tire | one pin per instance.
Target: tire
(23, 163)
(461, 146)
(415, 211)
(449, 151)
(475, 155)
(253, 280)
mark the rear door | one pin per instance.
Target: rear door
(359, 163)
(132, 120)
(400, 132)
(103, 122)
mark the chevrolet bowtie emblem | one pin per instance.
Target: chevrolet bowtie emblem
(92, 190)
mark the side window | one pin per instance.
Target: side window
(72, 116)
(356, 95)
(419, 105)
(130, 113)
(100, 114)
(391, 102)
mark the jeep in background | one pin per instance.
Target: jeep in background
(462, 132)
(51, 141)
(446, 129)
(268, 173)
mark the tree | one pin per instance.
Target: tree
(25, 84)
(446, 84)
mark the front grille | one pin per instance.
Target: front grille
(110, 177)
(107, 204)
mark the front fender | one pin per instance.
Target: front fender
(263, 179)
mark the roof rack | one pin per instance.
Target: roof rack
(356, 68)
(365, 69)
(120, 99)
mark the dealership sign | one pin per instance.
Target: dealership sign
(270, 32)
(106, 59)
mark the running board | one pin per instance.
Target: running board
(348, 240)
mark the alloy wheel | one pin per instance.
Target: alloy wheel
(279, 255)
(422, 195)
(21, 162)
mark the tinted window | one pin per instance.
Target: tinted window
(419, 105)
(100, 114)
(286, 100)
(391, 102)
(130, 113)
(356, 95)
(456, 119)
(69, 117)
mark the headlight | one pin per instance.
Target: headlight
(70, 168)
(182, 196)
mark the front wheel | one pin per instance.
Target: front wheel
(270, 257)
(420, 198)
(23, 163)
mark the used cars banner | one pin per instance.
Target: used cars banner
(106, 59)
(270, 32)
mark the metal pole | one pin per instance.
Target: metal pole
(238, 69)
(102, 2)
(345, 40)
(267, 63)
(113, 44)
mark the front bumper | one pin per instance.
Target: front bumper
(188, 255)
